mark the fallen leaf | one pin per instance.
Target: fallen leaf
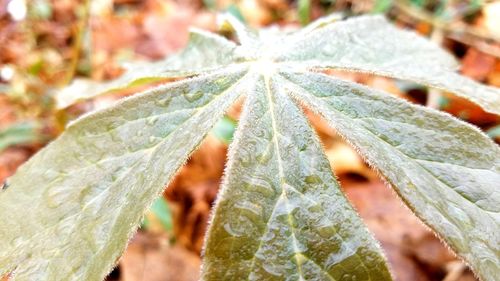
(477, 65)
(151, 258)
(414, 252)
(193, 191)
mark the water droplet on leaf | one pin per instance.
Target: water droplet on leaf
(192, 96)
(152, 120)
(164, 102)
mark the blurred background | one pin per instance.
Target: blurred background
(45, 44)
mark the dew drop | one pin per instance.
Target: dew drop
(461, 216)
(17, 242)
(230, 230)
(268, 236)
(328, 51)
(253, 277)
(348, 277)
(153, 139)
(86, 191)
(314, 208)
(229, 245)
(164, 102)
(259, 185)
(192, 96)
(221, 81)
(294, 223)
(370, 259)
(272, 269)
(326, 231)
(303, 147)
(245, 157)
(250, 210)
(56, 195)
(300, 259)
(313, 179)
(118, 172)
(263, 133)
(342, 254)
(265, 156)
(152, 120)
(344, 231)
(115, 136)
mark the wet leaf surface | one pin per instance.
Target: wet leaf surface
(281, 214)
(88, 190)
(444, 169)
(274, 219)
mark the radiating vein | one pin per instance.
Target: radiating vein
(465, 216)
(280, 203)
(105, 200)
(282, 177)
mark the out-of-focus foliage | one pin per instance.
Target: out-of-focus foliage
(20, 133)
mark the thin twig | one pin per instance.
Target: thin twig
(458, 31)
(79, 34)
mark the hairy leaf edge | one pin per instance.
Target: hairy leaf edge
(64, 99)
(232, 151)
(387, 182)
(103, 112)
(318, 67)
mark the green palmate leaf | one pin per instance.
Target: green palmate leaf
(370, 44)
(281, 214)
(205, 51)
(445, 170)
(69, 211)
